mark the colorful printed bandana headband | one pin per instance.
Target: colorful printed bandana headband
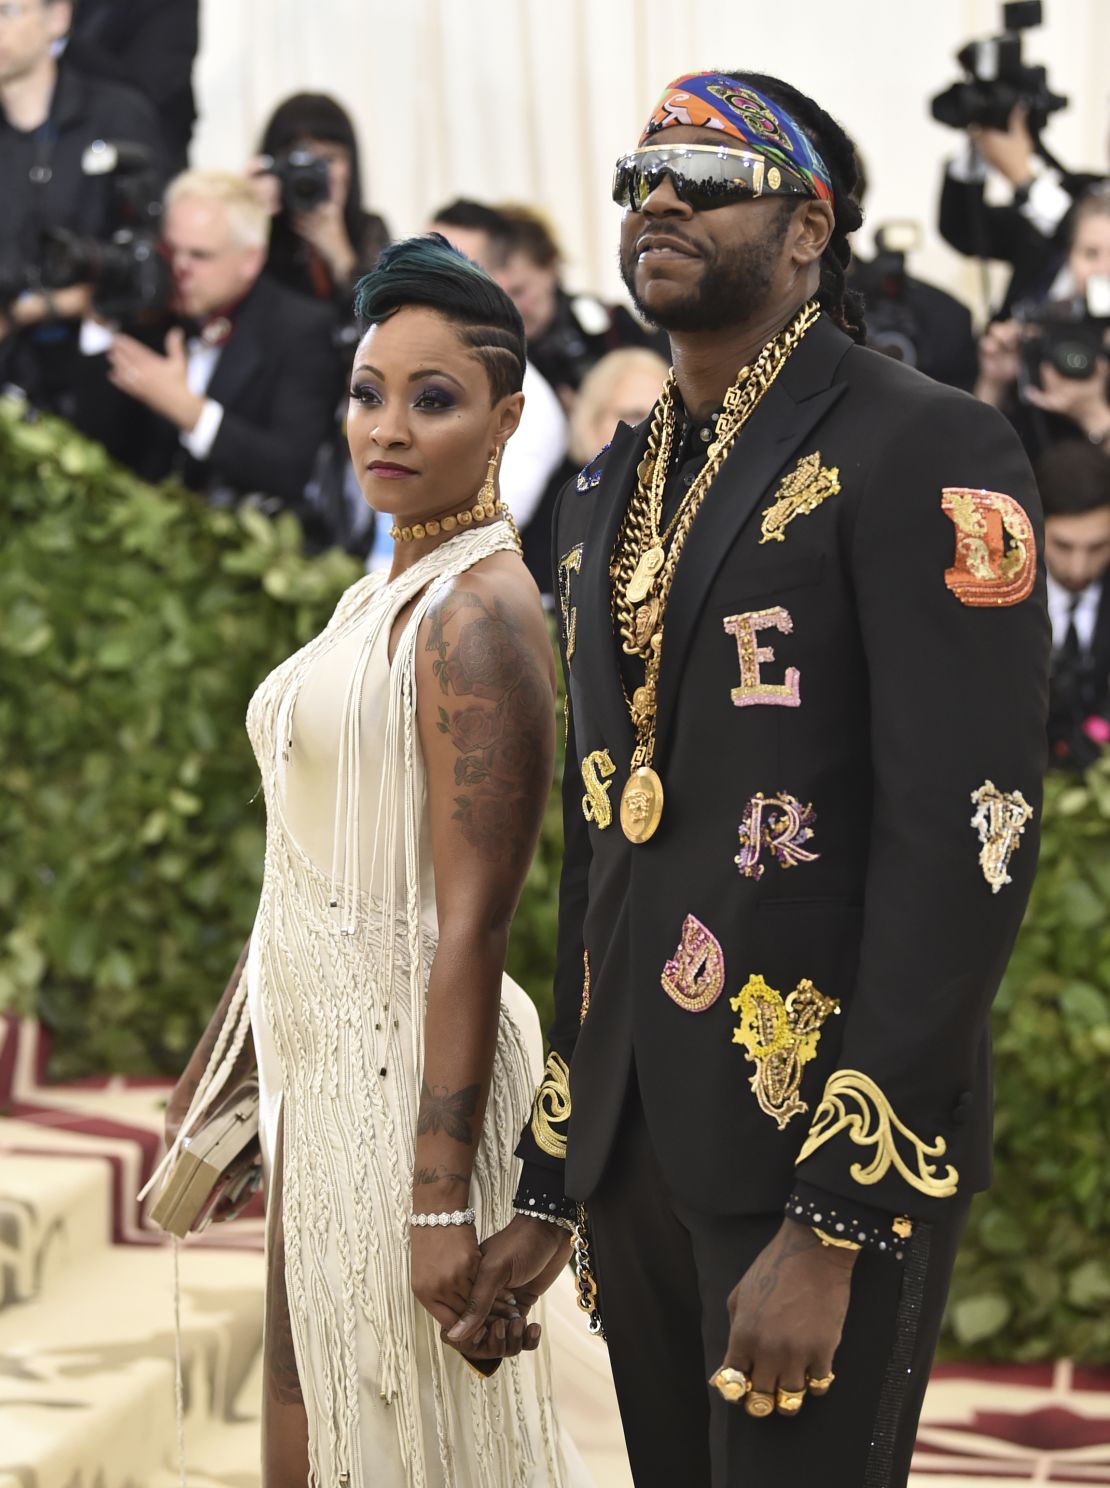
(710, 100)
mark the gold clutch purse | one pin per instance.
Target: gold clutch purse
(216, 1161)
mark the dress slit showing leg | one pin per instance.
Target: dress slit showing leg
(284, 1418)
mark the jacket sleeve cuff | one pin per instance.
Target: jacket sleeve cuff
(540, 1193)
(841, 1219)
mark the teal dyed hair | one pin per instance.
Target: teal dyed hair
(429, 273)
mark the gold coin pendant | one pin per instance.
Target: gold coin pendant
(641, 804)
(644, 624)
(639, 585)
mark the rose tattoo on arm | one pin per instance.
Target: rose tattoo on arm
(490, 662)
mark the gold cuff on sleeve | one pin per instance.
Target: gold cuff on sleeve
(872, 1123)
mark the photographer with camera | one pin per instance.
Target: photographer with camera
(245, 392)
(1074, 482)
(308, 177)
(1003, 104)
(567, 334)
(57, 175)
(1047, 367)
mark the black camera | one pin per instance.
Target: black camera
(1068, 335)
(129, 273)
(998, 79)
(305, 179)
(892, 325)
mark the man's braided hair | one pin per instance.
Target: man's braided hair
(840, 303)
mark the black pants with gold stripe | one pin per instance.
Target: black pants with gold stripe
(664, 1274)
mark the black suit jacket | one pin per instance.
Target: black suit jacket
(908, 701)
(151, 45)
(278, 381)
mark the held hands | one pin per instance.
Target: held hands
(445, 1266)
(786, 1315)
(161, 382)
(519, 1262)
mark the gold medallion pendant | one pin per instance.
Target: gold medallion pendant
(639, 586)
(641, 804)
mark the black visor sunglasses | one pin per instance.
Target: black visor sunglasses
(703, 176)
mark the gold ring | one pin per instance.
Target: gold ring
(759, 1403)
(821, 1385)
(731, 1384)
(790, 1402)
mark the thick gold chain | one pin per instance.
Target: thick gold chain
(640, 622)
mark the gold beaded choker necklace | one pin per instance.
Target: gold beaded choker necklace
(481, 511)
(642, 567)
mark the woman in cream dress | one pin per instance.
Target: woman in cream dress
(406, 757)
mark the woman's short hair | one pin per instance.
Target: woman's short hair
(598, 387)
(247, 219)
(427, 272)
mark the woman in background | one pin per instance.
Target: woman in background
(322, 251)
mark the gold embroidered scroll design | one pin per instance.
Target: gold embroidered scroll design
(694, 977)
(585, 1007)
(569, 563)
(597, 769)
(551, 1108)
(780, 1038)
(753, 689)
(801, 492)
(996, 552)
(780, 824)
(872, 1123)
(1000, 818)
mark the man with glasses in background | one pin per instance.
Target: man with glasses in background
(803, 625)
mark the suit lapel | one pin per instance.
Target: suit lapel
(241, 358)
(596, 665)
(795, 402)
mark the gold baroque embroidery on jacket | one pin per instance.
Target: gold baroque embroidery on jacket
(569, 563)
(1000, 818)
(597, 768)
(801, 492)
(551, 1108)
(780, 1038)
(873, 1124)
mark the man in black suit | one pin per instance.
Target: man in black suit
(804, 628)
(151, 45)
(245, 392)
(49, 119)
(1074, 482)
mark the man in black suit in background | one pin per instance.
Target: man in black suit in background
(151, 45)
(246, 389)
(804, 629)
(1074, 482)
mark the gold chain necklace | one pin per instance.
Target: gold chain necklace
(642, 569)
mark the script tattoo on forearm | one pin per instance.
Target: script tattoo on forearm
(499, 734)
(423, 1176)
(450, 1111)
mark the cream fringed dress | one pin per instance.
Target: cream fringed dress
(338, 968)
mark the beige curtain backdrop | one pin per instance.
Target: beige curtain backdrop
(532, 100)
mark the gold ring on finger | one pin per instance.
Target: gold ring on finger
(731, 1384)
(759, 1403)
(822, 1384)
(790, 1402)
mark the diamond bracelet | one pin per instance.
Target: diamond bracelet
(456, 1217)
(555, 1219)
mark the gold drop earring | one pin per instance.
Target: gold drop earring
(488, 494)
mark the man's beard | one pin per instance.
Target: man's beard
(731, 291)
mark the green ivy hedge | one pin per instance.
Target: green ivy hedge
(135, 624)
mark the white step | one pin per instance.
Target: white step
(88, 1394)
(54, 1212)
